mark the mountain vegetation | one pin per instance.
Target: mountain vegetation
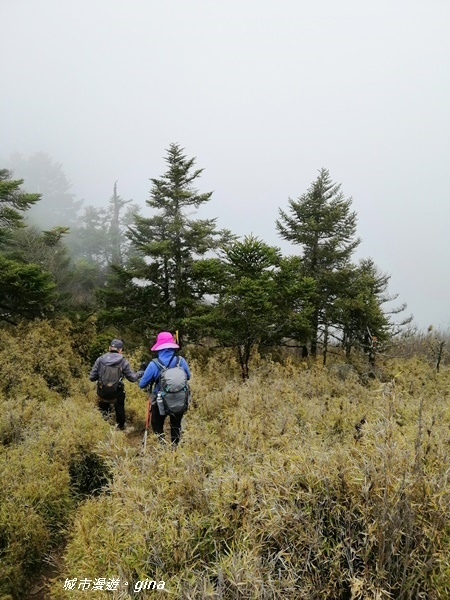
(304, 481)
(314, 456)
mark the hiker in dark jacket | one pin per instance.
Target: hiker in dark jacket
(166, 347)
(114, 358)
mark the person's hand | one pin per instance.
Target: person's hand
(140, 373)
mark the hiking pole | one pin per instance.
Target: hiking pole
(147, 422)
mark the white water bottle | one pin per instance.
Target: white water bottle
(160, 403)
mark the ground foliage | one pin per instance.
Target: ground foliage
(302, 482)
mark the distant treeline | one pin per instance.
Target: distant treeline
(137, 275)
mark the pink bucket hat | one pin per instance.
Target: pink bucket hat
(164, 340)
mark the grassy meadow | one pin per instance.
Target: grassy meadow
(304, 482)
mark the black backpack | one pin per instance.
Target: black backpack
(109, 381)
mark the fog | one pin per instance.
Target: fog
(263, 93)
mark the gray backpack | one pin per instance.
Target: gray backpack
(174, 388)
(109, 381)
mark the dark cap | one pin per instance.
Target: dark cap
(116, 345)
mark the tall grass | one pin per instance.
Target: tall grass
(301, 483)
(48, 429)
(295, 484)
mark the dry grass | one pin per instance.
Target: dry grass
(300, 483)
(296, 484)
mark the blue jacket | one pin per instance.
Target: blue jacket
(152, 372)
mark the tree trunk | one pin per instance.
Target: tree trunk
(315, 332)
(325, 345)
(244, 358)
(116, 257)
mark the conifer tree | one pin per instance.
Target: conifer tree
(26, 289)
(322, 223)
(58, 205)
(171, 244)
(101, 233)
(260, 300)
(13, 204)
(246, 311)
(361, 315)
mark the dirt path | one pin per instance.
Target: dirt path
(39, 589)
(54, 562)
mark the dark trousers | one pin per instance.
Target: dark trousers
(158, 425)
(106, 407)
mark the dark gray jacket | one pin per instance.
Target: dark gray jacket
(114, 358)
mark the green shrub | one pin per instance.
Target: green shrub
(88, 472)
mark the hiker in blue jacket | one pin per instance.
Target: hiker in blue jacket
(166, 347)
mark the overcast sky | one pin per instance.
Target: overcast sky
(263, 93)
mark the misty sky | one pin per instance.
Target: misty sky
(264, 93)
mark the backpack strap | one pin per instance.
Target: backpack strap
(163, 368)
(160, 366)
(121, 368)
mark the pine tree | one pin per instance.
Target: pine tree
(58, 206)
(358, 314)
(362, 317)
(246, 313)
(13, 204)
(26, 289)
(322, 223)
(101, 233)
(260, 300)
(48, 250)
(171, 244)
(117, 237)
